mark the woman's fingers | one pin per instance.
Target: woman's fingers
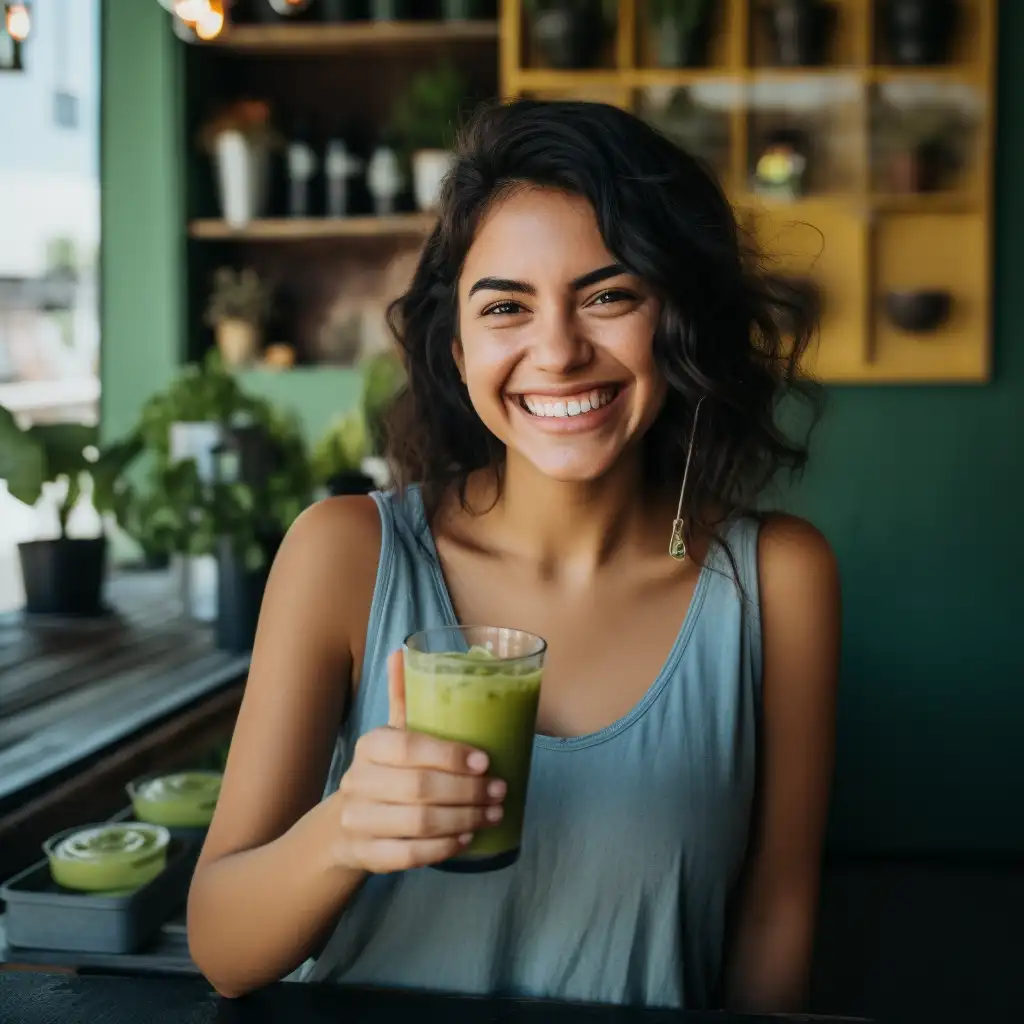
(391, 785)
(402, 748)
(382, 856)
(414, 821)
(396, 690)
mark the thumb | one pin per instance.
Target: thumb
(396, 690)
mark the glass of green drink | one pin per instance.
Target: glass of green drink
(480, 685)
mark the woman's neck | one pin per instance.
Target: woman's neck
(568, 528)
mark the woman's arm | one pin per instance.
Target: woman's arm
(800, 625)
(266, 890)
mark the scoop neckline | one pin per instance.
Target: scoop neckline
(636, 712)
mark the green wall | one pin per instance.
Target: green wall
(142, 297)
(921, 492)
(919, 489)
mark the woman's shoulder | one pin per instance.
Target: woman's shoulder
(787, 543)
(327, 563)
(798, 575)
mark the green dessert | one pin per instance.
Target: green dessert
(491, 704)
(116, 858)
(181, 800)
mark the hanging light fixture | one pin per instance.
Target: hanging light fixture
(189, 11)
(198, 19)
(18, 21)
(210, 22)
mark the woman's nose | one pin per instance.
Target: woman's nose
(559, 345)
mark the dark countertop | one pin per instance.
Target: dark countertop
(32, 998)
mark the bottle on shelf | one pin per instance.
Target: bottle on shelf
(384, 178)
(340, 165)
(300, 168)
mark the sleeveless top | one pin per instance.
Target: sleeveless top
(634, 835)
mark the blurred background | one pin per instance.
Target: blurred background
(205, 208)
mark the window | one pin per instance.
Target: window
(50, 216)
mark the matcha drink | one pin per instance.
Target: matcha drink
(480, 685)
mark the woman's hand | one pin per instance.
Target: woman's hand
(408, 799)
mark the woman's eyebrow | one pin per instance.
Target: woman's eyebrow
(505, 284)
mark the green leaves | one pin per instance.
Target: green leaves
(22, 461)
(43, 453)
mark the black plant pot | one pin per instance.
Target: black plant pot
(389, 10)
(570, 35)
(680, 44)
(800, 31)
(64, 577)
(350, 483)
(464, 10)
(263, 11)
(343, 10)
(919, 31)
(239, 595)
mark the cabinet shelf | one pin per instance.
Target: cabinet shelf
(283, 229)
(888, 167)
(339, 38)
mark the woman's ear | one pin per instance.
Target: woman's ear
(460, 359)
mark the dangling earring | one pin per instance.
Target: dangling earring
(677, 545)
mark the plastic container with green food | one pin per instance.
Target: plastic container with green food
(182, 800)
(109, 858)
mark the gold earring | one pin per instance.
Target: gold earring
(677, 545)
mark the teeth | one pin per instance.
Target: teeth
(575, 406)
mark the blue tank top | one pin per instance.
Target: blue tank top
(635, 835)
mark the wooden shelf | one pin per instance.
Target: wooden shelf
(284, 229)
(866, 122)
(339, 38)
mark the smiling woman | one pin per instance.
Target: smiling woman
(584, 296)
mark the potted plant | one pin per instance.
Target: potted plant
(800, 31)
(570, 33)
(424, 119)
(238, 307)
(63, 575)
(342, 458)
(343, 10)
(225, 502)
(389, 10)
(679, 29)
(465, 10)
(240, 139)
(918, 143)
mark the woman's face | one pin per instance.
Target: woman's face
(556, 340)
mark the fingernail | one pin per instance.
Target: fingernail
(494, 813)
(477, 761)
(466, 838)
(497, 789)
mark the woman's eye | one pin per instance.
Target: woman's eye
(613, 295)
(504, 308)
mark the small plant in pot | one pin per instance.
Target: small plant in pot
(340, 459)
(571, 33)
(800, 31)
(238, 308)
(226, 495)
(679, 31)
(62, 575)
(425, 121)
(240, 139)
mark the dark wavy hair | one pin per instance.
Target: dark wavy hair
(730, 332)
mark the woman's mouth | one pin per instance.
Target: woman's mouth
(582, 410)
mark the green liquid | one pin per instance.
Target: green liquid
(490, 707)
